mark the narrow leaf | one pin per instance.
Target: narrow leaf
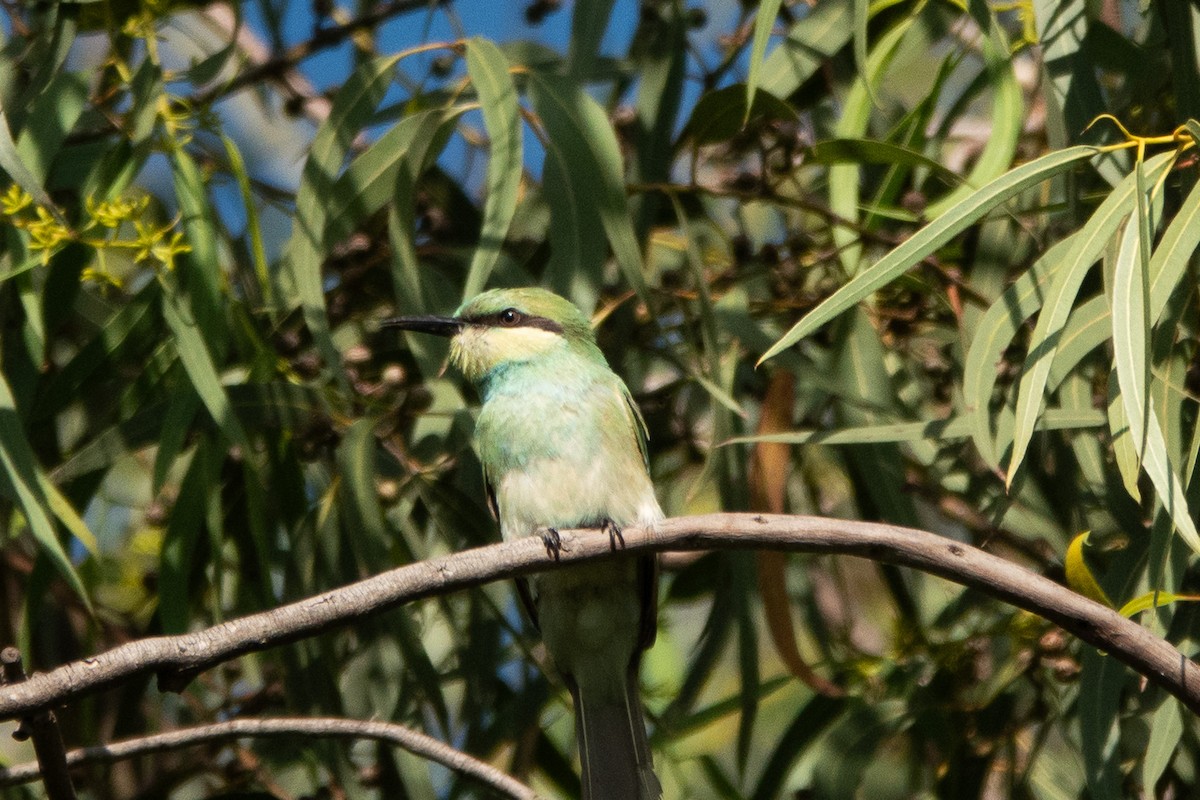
(488, 69)
(27, 481)
(927, 240)
(305, 250)
(1079, 574)
(589, 175)
(1088, 244)
(198, 362)
(764, 23)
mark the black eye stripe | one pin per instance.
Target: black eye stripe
(496, 320)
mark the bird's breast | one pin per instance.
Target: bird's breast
(562, 456)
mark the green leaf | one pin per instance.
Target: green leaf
(369, 182)
(1089, 326)
(182, 536)
(588, 23)
(1154, 599)
(1130, 326)
(1101, 680)
(927, 240)
(304, 253)
(993, 334)
(584, 180)
(11, 162)
(198, 272)
(1169, 262)
(1088, 244)
(488, 69)
(764, 23)
(932, 430)
(845, 180)
(1166, 731)
(1007, 120)
(258, 253)
(51, 119)
(198, 362)
(408, 281)
(806, 729)
(812, 40)
(356, 468)
(176, 423)
(871, 151)
(719, 115)
(1127, 456)
(28, 483)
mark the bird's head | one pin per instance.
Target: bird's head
(507, 326)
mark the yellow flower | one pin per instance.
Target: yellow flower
(112, 213)
(15, 200)
(159, 244)
(100, 278)
(46, 234)
(166, 250)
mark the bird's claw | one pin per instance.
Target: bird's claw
(614, 534)
(553, 542)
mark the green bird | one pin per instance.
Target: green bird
(564, 446)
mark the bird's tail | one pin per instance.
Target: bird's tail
(613, 748)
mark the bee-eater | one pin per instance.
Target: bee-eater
(564, 446)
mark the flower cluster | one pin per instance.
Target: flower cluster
(110, 225)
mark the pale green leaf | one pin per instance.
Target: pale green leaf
(488, 69)
(1089, 242)
(764, 23)
(1169, 262)
(993, 334)
(933, 430)
(845, 180)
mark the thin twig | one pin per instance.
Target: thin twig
(400, 735)
(42, 727)
(323, 39)
(177, 658)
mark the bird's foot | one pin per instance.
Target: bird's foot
(615, 538)
(553, 542)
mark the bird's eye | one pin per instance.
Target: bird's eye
(510, 317)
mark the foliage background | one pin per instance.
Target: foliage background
(210, 211)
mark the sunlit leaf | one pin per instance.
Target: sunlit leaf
(929, 239)
(488, 69)
(1079, 574)
(1089, 242)
(764, 24)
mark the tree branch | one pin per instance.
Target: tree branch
(177, 658)
(323, 39)
(389, 732)
(43, 728)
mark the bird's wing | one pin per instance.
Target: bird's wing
(490, 491)
(524, 590)
(638, 423)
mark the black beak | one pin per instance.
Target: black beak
(439, 326)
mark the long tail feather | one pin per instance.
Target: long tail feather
(613, 747)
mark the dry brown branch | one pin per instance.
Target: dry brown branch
(177, 658)
(43, 728)
(391, 733)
